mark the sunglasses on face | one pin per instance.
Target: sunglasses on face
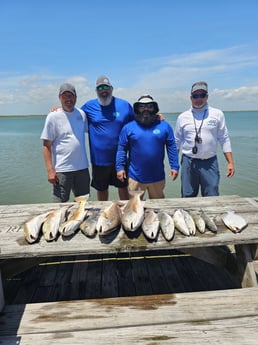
(103, 87)
(145, 105)
(199, 95)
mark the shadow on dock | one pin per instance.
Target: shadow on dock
(121, 275)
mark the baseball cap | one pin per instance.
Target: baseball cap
(200, 85)
(67, 87)
(103, 80)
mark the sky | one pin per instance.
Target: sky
(145, 47)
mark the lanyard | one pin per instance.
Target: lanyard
(198, 138)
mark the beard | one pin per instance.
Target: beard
(104, 101)
(146, 118)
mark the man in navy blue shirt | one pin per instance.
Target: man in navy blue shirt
(142, 144)
(106, 116)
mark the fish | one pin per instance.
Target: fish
(167, 225)
(109, 219)
(133, 211)
(198, 220)
(51, 225)
(234, 222)
(189, 222)
(209, 222)
(179, 221)
(88, 226)
(33, 226)
(150, 224)
(75, 219)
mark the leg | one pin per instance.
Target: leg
(61, 191)
(81, 184)
(156, 189)
(101, 176)
(189, 178)
(123, 193)
(102, 195)
(210, 177)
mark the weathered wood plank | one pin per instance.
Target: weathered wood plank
(245, 266)
(199, 309)
(13, 243)
(240, 331)
(80, 245)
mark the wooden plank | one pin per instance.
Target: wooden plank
(254, 250)
(240, 331)
(198, 308)
(126, 285)
(78, 244)
(170, 270)
(246, 267)
(15, 246)
(141, 276)
(109, 284)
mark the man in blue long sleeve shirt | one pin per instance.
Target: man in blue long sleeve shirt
(142, 145)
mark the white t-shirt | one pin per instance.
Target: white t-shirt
(213, 132)
(67, 130)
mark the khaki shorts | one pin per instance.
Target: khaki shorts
(155, 189)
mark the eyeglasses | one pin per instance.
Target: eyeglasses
(199, 95)
(103, 87)
(145, 105)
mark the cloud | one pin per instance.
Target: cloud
(229, 73)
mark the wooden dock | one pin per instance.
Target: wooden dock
(131, 290)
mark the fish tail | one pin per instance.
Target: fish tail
(82, 198)
(136, 192)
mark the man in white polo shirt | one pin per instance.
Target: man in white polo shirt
(198, 132)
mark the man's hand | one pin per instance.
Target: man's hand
(121, 175)
(173, 174)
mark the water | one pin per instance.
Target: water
(23, 178)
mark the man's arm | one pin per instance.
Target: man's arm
(47, 153)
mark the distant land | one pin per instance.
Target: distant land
(166, 113)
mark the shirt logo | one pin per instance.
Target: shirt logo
(116, 114)
(212, 123)
(156, 131)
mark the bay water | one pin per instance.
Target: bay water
(23, 178)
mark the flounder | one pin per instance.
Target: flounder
(233, 221)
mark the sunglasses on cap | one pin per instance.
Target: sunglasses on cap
(199, 95)
(103, 87)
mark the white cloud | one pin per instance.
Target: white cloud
(229, 73)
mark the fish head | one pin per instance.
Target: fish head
(69, 227)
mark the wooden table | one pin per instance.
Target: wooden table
(206, 246)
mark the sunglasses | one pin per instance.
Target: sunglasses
(145, 105)
(199, 95)
(103, 87)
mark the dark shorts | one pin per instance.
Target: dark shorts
(76, 181)
(104, 176)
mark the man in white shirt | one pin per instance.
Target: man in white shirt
(198, 131)
(64, 148)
